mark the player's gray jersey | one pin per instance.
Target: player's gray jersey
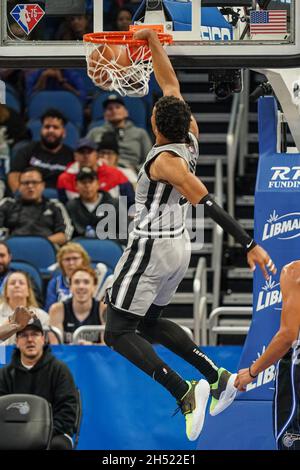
(160, 209)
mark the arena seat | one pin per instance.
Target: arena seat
(101, 251)
(72, 133)
(136, 109)
(38, 251)
(50, 193)
(26, 422)
(65, 102)
(13, 102)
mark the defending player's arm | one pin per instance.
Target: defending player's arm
(56, 316)
(163, 69)
(289, 326)
(174, 170)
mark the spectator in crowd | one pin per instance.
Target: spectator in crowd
(108, 151)
(134, 142)
(49, 155)
(18, 292)
(81, 309)
(55, 80)
(15, 79)
(85, 211)
(34, 370)
(14, 124)
(5, 270)
(32, 214)
(123, 19)
(69, 257)
(86, 155)
(74, 27)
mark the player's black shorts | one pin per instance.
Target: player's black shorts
(287, 402)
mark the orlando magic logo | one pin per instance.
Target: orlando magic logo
(23, 407)
(27, 16)
(289, 439)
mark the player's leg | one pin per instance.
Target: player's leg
(136, 283)
(173, 337)
(286, 405)
(192, 397)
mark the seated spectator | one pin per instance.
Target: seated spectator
(34, 370)
(109, 178)
(80, 310)
(85, 211)
(49, 155)
(15, 128)
(18, 292)
(134, 142)
(55, 80)
(32, 214)
(108, 151)
(74, 27)
(123, 19)
(15, 78)
(5, 270)
(70, 257)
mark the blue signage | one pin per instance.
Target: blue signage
(277, 229)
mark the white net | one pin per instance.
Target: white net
(122, 68)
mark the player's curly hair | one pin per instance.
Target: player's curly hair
(173, 118)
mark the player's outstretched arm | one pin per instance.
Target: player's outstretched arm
(289, 326)
(174, 170)
(163, 69)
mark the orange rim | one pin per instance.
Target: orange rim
(123, 37)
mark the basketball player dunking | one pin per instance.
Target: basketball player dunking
(158, 255)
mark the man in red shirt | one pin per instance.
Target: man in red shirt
(110, 179)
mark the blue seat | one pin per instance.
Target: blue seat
(50, 193)
(101, 251)
(38, 251)
(30, 270)
(136, 109)
(72, 133)
(65, 102)
(90, 87)
(12, 101)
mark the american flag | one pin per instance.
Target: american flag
(268, 22)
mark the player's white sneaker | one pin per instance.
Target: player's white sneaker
(193, 407)
(222, 392)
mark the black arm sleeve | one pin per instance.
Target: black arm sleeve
(225, 220)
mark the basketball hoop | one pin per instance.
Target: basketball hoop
(116, 61)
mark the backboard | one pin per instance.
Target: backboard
(207, 33)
